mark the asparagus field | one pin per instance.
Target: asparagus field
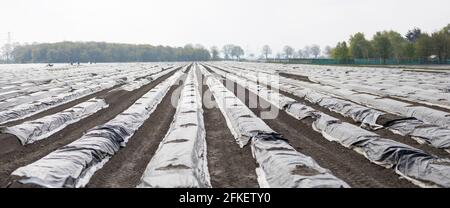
(223, 125)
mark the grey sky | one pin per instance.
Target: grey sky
(249, 23)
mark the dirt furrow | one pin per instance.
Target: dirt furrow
(346, 164)
(229, 166)
(118, 101)
(306, 79)
(125, 168)
(385, 133)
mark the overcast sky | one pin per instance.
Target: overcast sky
(248, 23)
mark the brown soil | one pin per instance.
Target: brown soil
(125, 168)
(346, 164)
(306, 79)
(384, 120)
(419, 104)
(295, 76)
(60, 108)
(229, 166)
(118, 101)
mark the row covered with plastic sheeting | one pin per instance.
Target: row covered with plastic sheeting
(69, 81)
(180, 160)
(32, 131)
(29, 109)
(425, 114)
(366, 116)
(417, 166)
(271, 96)
(30, 93)
(33, 96)
(280, 165)
(144, 81)
(422, 132)
(74, 164)
(379, 79)
(242, 122)
(410, 93)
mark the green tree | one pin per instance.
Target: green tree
(105, 52)
(359, 46)
(423, 46)
(409, 51)
(382, 46)
(440, 44)
(398, 44)
(341, 52)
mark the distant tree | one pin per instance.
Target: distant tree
(6, 52)
(279, 55)
(266, 51)
(214, 53)
(391, 44)
(341, 52)
(315, 50)
(446, 31)
(423, 46)
(328, 51)
(300, 53)
(441, 44)
(306, 52)
(398, 43)
(199, 46)
(288, 51)
(382, 46)
(447, 28)
(237, 52)
(409, 51)
(413, 35)
(226, 50)
(359, 46)
(65, 52)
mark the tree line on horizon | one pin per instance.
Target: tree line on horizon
(71, 52)
(384, 45)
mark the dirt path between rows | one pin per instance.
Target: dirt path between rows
(118, 101)
(385, 133)
(125, 168)
(296, 77)
(344, 163)
(72, 103)
(229, 165)
(62, 107)
(306, 79)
